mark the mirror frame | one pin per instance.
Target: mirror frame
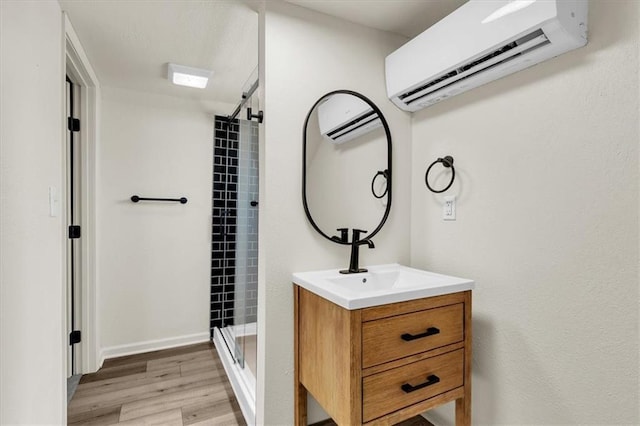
(304, 164)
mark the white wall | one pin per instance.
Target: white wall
(547, 179)
(154, 259)
(32, 331)
(306, 55)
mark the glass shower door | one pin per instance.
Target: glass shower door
(246, 264)
(234, 288)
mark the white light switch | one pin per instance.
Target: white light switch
(449, 208)
(54, 202)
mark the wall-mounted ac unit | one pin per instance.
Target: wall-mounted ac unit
(343, 117)
(482, 41)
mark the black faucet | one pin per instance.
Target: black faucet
(344, 235)
(356, 242)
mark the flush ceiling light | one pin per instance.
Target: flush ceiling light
(187, 76)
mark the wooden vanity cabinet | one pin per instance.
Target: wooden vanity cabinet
(384, 364)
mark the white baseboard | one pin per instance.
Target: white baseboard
(151, 345)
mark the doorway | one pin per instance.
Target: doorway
(78, 198)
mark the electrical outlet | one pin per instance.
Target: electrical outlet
(449, 208)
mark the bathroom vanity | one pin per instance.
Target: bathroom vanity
(384, 346)
(381, 344)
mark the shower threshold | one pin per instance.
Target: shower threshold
(242, 378)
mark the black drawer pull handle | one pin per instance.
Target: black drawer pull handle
(430, 332)
(431, 380)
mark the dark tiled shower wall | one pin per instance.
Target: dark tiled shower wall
(234, 254)
(224, 221)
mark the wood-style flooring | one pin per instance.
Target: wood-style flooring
(180, 386)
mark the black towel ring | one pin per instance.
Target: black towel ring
(446, 162)
(385, 174)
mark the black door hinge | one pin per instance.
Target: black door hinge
(74, 231)
(73, 124)
(75, 337)
(251, 115)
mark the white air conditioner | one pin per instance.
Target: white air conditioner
(343, 117)
(482, 41)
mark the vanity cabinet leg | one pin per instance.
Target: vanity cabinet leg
(463, 405)
(300, 392)
(300, 400)
(463, 412)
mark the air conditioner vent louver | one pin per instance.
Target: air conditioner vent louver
(480, 42)
(499, 56)
(354, 125)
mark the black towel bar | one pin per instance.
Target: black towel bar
(136, 198)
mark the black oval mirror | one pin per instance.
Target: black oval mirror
(346, 172)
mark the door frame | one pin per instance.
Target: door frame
(79, 68)
(72, 217)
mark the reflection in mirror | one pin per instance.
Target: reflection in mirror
(347, 166)
(343, 117)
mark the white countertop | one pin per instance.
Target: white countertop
(382, 284)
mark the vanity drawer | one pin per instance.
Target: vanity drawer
(394, 389)
(396, 337)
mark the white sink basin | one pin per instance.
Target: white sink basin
(381, 285)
